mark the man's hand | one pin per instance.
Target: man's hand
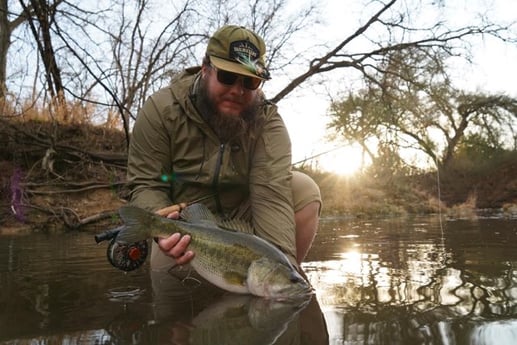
(175, 245)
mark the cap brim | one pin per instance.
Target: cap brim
(233, 67)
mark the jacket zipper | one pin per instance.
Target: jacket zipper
(215, 181)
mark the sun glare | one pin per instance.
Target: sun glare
(343, 161)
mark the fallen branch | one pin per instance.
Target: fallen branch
(76, 190)
(77, 222)
(70, 218)
(98, 217)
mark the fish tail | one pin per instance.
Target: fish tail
(138, 224)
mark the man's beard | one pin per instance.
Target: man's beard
(225, 126)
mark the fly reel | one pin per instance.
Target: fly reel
(127, 257)
(124, 256)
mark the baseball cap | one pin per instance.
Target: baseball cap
(239, 50)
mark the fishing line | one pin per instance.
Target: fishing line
(439, 191)
(320, 154)
(188, 281)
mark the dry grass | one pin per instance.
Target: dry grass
(64, 112)
(462, 192)
(363, 196)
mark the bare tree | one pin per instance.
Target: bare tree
(40, 25)
(144, 52)
(439, 38)
(141, 59)
(415, 106)
(144, 57)
(69, 35)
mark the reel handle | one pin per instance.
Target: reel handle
(108, 234)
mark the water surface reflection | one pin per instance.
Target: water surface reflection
(411, 281)
(417, 281)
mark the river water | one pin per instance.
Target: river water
(386, 281)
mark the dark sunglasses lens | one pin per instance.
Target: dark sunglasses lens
(251, 83)
(226, 78)
(229, 78)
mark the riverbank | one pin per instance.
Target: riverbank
(72, 176)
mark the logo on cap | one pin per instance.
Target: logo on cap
(243, 49)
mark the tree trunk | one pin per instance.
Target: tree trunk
(5, 41)
(44, 14)
(6, 29)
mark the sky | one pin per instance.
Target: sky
(494, 70)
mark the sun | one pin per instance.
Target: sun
(344, 161)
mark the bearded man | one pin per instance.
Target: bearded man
(212, 137)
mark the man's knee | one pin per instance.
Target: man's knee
(307, 209)
(305, 192)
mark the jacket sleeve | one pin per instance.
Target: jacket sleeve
(270, 186)
(149, 157)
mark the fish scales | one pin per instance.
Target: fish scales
(224, 261)
(235, 261)
(224, 255)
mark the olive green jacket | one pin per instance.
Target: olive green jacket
(174, 156)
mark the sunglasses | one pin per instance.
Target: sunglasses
(229, 78)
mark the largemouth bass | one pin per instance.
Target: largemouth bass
(232, 260)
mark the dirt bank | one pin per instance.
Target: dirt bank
(55, 174)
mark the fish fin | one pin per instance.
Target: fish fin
(237, 225)
(198, 213)
(136, 226)
(234, 278)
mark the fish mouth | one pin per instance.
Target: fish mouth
(298, 289)
(301, 298)
(299, 292)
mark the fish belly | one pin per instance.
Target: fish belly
(222, 262)
(218, 280)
